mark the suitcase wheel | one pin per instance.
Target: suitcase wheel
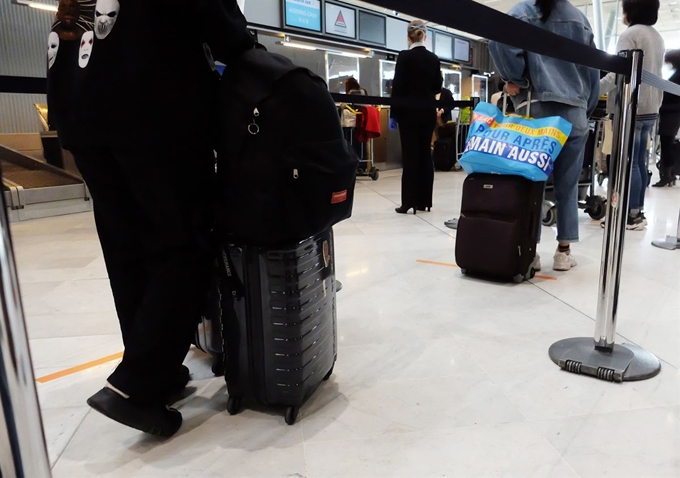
(328, 375)
(518, 279)
(550, 218)
(597, 207)
(374, 174)
(464, 271)
(234, 405)
(292, 414)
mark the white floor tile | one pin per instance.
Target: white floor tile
(512, 450)
(640, 443)
(437, 374)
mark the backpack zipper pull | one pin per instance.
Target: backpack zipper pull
(296, 174)
(254, 128)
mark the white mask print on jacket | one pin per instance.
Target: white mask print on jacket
(52, 48)
(105, 16)
(85, 51)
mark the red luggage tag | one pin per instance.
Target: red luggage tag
(339, 197)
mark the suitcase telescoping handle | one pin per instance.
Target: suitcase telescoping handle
(505, 102)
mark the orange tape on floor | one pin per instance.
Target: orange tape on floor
(79, 368)
(446, 264)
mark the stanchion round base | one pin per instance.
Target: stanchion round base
(625, 363)
(671, 243)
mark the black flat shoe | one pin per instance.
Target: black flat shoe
(405, 210)
(180, 381)
(153, 419)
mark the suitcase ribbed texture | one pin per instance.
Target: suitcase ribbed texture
(286, 322)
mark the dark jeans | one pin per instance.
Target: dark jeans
(417, 179)
(153, 216)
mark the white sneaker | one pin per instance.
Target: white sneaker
(537, 263)
(563, 261)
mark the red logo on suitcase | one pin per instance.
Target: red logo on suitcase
(339, 197)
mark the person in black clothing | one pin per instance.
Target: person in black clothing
(444, 115)
(669, 124)
(131, 89)
(417, 77)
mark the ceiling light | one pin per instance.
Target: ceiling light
(300, 46)
(40, 6)
(350, 54)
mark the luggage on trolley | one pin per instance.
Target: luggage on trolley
(592, 204)
(498, 226)
(279, 322)
(362, 149)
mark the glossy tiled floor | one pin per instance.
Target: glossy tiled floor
(438, 375)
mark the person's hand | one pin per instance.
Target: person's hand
(512, 89)
(440, 112)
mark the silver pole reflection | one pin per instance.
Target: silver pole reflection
(21, 425)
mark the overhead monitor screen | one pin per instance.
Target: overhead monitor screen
(461, 51)
(443, 46)
(429, 40)
(341, 21)
(372, 28)
(303, 14)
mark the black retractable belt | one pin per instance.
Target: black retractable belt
(23, 84)
(412, 103)
(475, 18)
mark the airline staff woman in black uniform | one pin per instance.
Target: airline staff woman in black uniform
(417, 77)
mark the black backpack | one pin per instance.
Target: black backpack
(284, 170)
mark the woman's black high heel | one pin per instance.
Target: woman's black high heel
(405, 210)
(667, 179)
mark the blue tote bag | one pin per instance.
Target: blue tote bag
(499, 144)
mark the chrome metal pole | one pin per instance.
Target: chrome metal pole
(18, 397)
(598, 27)
(620, 175)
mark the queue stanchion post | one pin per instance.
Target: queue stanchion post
(25, 454)
(671, 243)
(603, 358)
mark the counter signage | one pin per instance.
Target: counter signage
(340, 21)
(304, 14)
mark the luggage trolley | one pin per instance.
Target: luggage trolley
(363, 150)
(595, 206)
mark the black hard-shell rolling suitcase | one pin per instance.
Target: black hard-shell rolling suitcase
(444, 155)
(498, 227)
(281, 336)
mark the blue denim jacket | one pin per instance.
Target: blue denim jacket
(550, 79)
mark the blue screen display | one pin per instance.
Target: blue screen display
(305, 14)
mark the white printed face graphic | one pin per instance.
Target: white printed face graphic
(52, 48)
(85, 49)
(105, 16)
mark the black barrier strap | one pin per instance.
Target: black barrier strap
(480, 20)
(23, 84)
(651, 79)
(411, 103)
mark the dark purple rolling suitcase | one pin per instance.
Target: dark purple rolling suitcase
(280, 327)
(498, 228)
